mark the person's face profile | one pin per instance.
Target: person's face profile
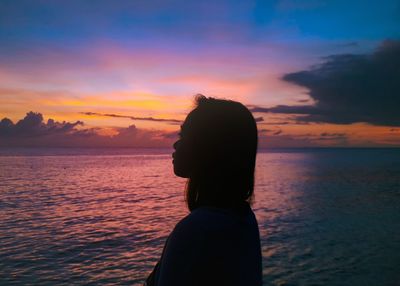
(182, 154)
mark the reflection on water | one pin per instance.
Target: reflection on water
(326, 217)
(330, 217)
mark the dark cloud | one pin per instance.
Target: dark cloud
(277, 139)
(171, 135)
(265, 130)
(303, 100)
(168, 120)
(277, 123)
(327, 134)
(350, 88)
(339, 137)
(287, 109)
(32, 131)
(270, 131)
(32, 125)
(270, 140)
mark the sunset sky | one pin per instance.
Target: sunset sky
(124, 73)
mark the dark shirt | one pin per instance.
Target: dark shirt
(212, 246)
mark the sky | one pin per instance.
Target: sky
(125, 73)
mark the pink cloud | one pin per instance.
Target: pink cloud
(32, 131)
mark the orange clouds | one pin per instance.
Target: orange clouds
(86, 82)
(68, 106)
(33, 131)
(326, 135)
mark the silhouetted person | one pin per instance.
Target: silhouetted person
(218, 243)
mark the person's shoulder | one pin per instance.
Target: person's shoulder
(206, 219)
(210, 213)
(188, 231)
(192, 221)
(197, 222)
(202, 215)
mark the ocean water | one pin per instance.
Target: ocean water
(101, 217)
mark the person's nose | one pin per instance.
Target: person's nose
(176, 144)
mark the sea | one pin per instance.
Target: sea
(101, 216)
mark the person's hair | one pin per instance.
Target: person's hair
(224, 136)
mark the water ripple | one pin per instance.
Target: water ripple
(325, 218)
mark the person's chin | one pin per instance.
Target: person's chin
(179, 172)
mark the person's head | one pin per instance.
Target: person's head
(216, 151)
